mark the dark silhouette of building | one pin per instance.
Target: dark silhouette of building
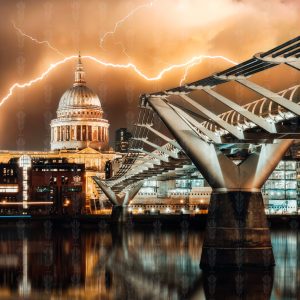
(122, 138)
(108, 169)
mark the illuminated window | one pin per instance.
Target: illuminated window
(25, 161)
(25, 164)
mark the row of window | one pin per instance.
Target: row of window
(57, 170)
(5, 190)
(280, 184)
(80, 113)
(190, 194)
(7, 172)
(159, 206)
(7, 198)
(8, 180)
(287, 165)
(283, 175)
(175, 194)
(179, 183)
(79, 133)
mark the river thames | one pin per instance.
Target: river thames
(137, 262)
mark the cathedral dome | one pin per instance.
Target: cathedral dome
(79, 96)
(79, 123)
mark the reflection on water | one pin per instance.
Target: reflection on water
(46, 262)
(286, 247)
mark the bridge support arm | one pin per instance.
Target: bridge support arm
(295, 65)
(205, 157)
(211, 135)
(155, 156)
(209, 115)
(237, 233)
(242, 111)
(159, 148)
(289, 105)
(161, 135)
(131, 192)
(109, 193)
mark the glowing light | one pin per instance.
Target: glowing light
(186, 71)
(36, 40)
(187, 65)
(118, 23)
(112, 65)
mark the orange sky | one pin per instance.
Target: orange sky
(168, 32)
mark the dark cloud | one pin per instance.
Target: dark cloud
(171, 31)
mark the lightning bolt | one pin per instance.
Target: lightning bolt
(118, 23)
(186, 71)
(187, 65)
(131, 13)
(123, 50)
(192, 61)
(36, 40)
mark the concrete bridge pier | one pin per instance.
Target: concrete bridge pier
(237, 233)
(238, 284)
(119, 212)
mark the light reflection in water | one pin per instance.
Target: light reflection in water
(286, 247)
(135, 263)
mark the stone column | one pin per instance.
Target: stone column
(106, 134)
(58, 133)
(75, 132)
(68, 129)
(54, 134)
(99, 133)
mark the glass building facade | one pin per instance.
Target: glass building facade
(281, 191)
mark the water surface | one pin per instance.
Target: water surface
(51, 262)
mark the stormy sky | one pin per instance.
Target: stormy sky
(154, 37)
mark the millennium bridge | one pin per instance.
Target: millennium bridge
(260, 132)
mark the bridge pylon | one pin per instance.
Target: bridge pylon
(237, 232)
(119, 201)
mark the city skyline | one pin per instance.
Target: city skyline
(149, 149)
(22, 59)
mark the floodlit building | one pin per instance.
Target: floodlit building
(79, 135)
(281, 189)
(79, 123)
(192, 193)
(54, 180)
(42, 186)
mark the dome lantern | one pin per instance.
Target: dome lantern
(79, 73)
